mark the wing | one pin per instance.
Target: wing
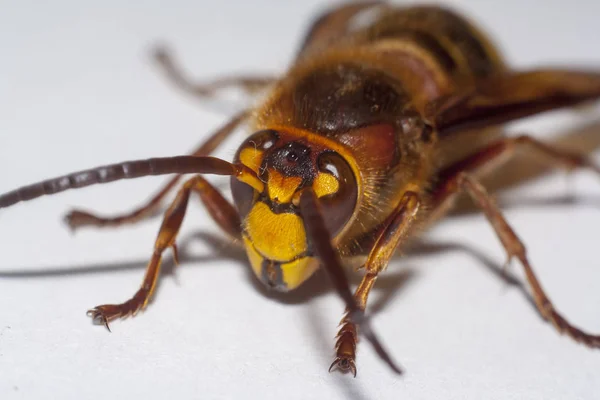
(512, 96)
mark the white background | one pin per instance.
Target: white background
(77, 89)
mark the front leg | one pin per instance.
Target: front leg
(397, 228)
(316, 230)
(219, 209)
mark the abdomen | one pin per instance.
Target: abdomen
(454, 47)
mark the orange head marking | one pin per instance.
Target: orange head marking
(288, 161)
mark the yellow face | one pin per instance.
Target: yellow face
(272, 227)
(277, 248)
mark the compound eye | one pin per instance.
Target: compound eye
(335, 185)
(263, 140)
(251, 154)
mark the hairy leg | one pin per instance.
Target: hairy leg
(398, 226)
(219, 208)
(458, 179)
(173, 72)
(317, 231)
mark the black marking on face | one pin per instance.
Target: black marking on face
(278, 208)
(292, 159)
(272, 275)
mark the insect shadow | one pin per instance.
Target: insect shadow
(521, 170)
(389, 284)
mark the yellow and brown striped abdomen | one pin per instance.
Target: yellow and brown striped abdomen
(460, 48)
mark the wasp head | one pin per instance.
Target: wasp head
(288, 162)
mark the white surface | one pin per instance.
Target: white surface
(77, 90)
